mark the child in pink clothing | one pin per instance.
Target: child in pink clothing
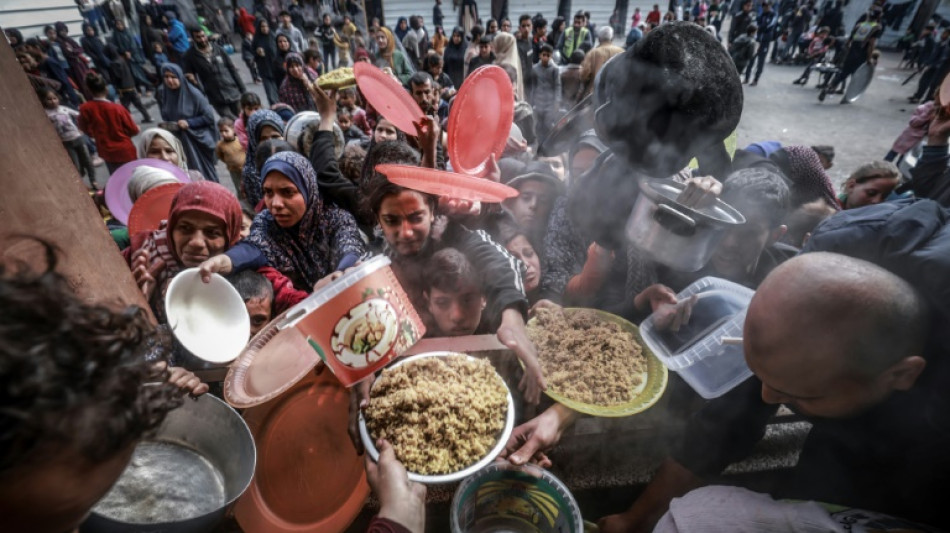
(915, 131)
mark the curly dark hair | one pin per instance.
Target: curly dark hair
(72, 374)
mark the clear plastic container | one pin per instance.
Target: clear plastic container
(696, 352)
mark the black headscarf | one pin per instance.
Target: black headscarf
(269, 44)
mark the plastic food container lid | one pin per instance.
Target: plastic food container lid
(279, 355)
(696, 351)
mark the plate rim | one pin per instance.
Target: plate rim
(616, 411)
(490, 72)
(375, 74)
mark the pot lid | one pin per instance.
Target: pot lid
(486, 99)
(666, 191)
(309, 478)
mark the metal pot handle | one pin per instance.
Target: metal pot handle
(675, 221)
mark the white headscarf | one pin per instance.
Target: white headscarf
(506, 53)
(146, 141)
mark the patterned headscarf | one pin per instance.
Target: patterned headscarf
(809, 181)
(249, 177)
(293, 91)
(314, 247)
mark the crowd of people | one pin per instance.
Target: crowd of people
(294, 217)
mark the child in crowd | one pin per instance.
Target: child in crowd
(546, 92)
(258, 295)
(74, 141)
(453, 294)
(434, 66)
(250, 103)
(124, 82)
(347, 100)
(247, 54)
(350, 132)
(314, 61)
(247, 218)
(742, 50)
(485, 55)
(159, 57)
(109, 124)
(230, 151)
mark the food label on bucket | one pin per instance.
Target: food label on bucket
(363, 327)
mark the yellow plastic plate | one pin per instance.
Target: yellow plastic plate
(645, 395)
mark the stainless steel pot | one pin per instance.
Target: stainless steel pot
(677, 236)
(301, 129)
(217, 433)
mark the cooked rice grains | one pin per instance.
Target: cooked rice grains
(586, 358)
(441, 414)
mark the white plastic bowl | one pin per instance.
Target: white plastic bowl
(209, 319)
(465, 472)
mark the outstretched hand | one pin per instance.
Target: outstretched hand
(400, 500)
(512, 334)
(530, 441)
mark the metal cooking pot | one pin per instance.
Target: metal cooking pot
(677, 236)
(216, 432)
(301, 129)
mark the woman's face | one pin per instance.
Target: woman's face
(493, 27)
(403, 25)
(381, 41)
(869, 192)
(457, 38)
(522, 249)
(385, 131)
(246, 222)
(197, 237)
(160, 149)
(269, 133)
(406, 220)
(89, 31)
(283, 199)
(171, 80)
(51, 34)
(283, 44)
(265, 28)
(295, 70)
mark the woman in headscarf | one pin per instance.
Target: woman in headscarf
(392, 58)
(263, 125)
(472, 50)
(468, 16)
(439, 40)
(265, 54)
(150, 35)
(95, 49)
(807, 179)
(301, 236)
(454, 57)
(402, 28)
(204, 222)
(284, 47)
(413, 51)
(156, 143)
(294, 91)
(506, 53)
(73, 52)
(187, 107)
(126, 45)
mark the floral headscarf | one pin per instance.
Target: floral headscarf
(318, 243)
(808, 178)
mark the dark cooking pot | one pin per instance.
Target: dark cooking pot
(218, 434)
(568, 129)
(673, 234)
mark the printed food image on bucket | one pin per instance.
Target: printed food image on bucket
(366, 322)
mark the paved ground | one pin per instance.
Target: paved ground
(791, 114)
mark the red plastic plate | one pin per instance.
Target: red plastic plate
(117, 188)
(309, 478)
(152, 208)
(448, 184)
(480, 119)
(388, 97)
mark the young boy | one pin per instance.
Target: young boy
(546, 93)
(230, 151)
(314, 61)
(258, 295)
(433, 65)
(247, 54)
(109, 124)
(73, 140)
(250, 103)
(742, 50)
(159, 57)
(350, 132)
(124, 82)
(346, 99)
(453, 294)
(485, 55)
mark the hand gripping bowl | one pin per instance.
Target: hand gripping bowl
(209, 319)
(465, 472)
(185, 478)
(505, 497)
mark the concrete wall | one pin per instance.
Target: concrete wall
(29, 16)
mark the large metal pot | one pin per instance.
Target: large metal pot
(677, 236)
(218, 434)
(302, 128)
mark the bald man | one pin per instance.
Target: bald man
(839, 341)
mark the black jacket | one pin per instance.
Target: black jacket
(218, 78)
(930, 178)
(892, 458)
